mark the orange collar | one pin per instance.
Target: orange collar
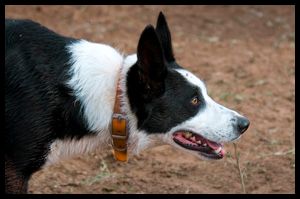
(119, 131)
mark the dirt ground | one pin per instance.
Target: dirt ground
(245, 54)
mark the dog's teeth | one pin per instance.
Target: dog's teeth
(193, 138)
(218, 150)
(187, 134)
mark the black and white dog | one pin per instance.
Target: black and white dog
(60, 93)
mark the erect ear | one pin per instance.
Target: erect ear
(151, 61)
(150, 54)
(164, 34)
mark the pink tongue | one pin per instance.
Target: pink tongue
(216, 146)
(222, 152)
(213, 145)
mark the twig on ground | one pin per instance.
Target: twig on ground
(239, 167)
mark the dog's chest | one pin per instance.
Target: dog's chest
(63, 149)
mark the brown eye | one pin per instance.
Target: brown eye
(195, 101)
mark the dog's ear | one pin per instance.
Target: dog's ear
(150, 54)
(151, 61)
(164, 34)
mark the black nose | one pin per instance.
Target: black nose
(243, 124)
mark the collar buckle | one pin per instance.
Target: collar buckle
(119, 136)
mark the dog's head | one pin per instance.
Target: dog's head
(171, 104)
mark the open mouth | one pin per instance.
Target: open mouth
(196, 142)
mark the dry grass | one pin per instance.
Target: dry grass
(237, 157)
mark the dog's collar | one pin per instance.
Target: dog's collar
(119, 130)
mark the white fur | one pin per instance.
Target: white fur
(94, 72)
(63, 149)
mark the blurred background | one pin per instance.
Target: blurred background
(246, 56)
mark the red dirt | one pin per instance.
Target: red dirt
(246, 55)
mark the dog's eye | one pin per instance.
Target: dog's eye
(195, 101)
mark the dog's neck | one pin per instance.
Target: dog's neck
(137, 140)
(119, 125)
(94, 77)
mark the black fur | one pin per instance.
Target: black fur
(39, 108)
(159, 95)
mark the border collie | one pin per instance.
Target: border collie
(60, 94)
